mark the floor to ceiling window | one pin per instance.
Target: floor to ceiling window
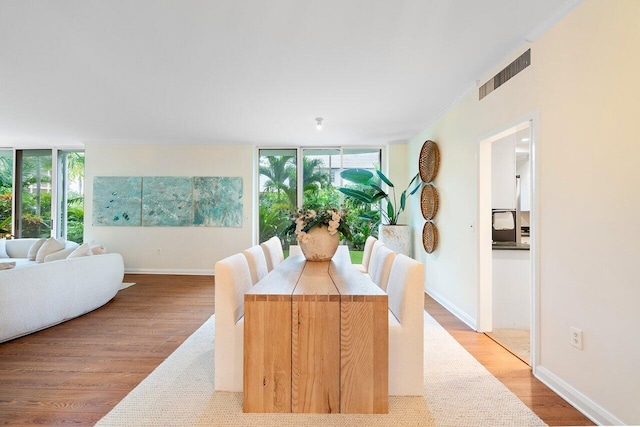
(70, 190)
(361, 158)
(278, 193)
(33, 193)
(6, 192)
(48, 187)
(320, 177)
(287, 183)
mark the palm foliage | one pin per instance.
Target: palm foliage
(370, 193)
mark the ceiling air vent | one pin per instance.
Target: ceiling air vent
(522, 62)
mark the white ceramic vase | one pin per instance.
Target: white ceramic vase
(396, 237)
(320, 245)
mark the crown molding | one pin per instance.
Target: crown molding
(552, 20)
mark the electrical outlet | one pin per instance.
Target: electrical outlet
(576, 338)
(158, 251)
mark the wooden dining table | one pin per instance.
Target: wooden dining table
(316, 340)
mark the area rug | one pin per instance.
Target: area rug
(458, 391)
(125, 285)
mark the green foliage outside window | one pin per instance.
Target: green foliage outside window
(36, 205)
(278, 199)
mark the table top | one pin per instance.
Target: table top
(297, 276)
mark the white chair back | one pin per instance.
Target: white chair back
(380, 266)
(273, 252)
(406, 327)
(366, 253)
(295, 250)
(232, 280)
(257, 263)
(405, 290)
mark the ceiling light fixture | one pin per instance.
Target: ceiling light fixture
(319, 123)
(524, 140)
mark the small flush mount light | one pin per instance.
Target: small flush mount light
(524, 140)
(319, 123)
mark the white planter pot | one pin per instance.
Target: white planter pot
(319, 245)
(396, 237)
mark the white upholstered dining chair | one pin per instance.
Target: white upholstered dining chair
(257, 263)
(273, 252)
(366, 254)
(295, 250)
(232, 280)
(380, 266)
(406, 327)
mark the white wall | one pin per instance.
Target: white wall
(183, 250)
(398, 174)
(583, 85)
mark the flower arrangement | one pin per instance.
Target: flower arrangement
(305, 219)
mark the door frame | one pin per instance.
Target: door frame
(484, 250)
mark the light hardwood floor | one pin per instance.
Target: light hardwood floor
(74, 373)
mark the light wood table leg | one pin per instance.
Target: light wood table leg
(364, 354)
(315, 355)
(267, 353)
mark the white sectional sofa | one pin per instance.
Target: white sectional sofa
(35, 296)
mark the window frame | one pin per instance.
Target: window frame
(56, 229)
(299, 172)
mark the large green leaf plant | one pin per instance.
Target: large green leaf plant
(375, 194)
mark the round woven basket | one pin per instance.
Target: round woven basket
(429, 237)
(429, 201)
(429, 161)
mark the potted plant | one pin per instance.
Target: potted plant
(394, 235)
(318, 232)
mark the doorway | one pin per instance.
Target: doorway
(506, 265)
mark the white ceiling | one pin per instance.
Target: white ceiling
(246, 71)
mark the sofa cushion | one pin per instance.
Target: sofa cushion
(82, 250)
(3, 248)
(50, 246)
(33, 250)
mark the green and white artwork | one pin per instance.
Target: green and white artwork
(167, 201)
(217, 201)
(117, 200)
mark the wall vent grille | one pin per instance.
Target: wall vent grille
(522, 62)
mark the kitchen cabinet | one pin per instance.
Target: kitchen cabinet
(511, 289)
(503, 173)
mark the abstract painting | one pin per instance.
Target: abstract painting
(217, 201)
(117, 200)
(167, 201)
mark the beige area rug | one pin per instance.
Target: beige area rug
(125, 285)
(458, 391)
(516, 341)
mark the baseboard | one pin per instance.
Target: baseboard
(454, 309)
(582, 403)
(186, 272)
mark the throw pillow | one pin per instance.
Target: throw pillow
(3, 248)
(50, 246)
(33, 250)
(82, 250)
(97, 248)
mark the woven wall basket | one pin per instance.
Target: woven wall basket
(429, 202)
(429, 237)
(429, 161)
